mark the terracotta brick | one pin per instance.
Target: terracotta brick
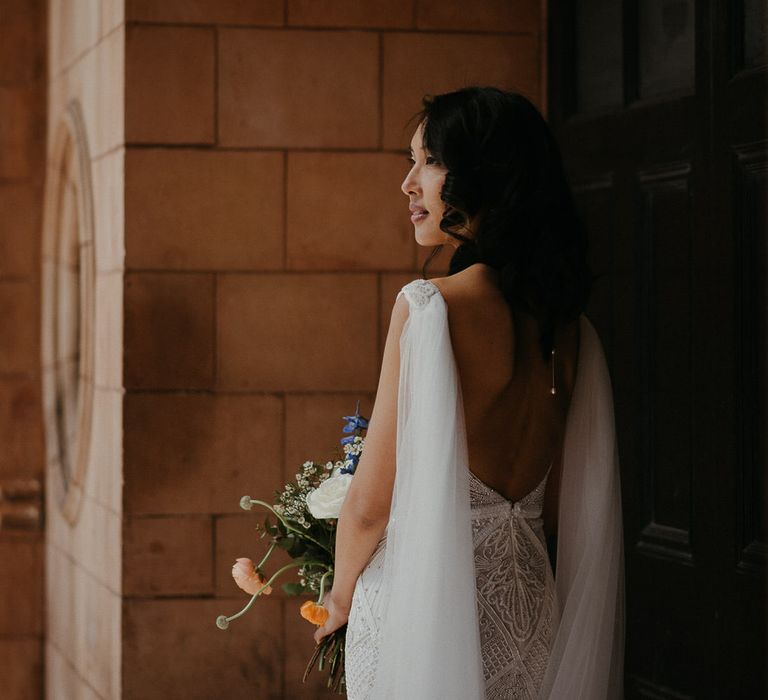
(199, 453)
(169, 86)
(486, 15)
(21, 667)
(22, 41)
(236, 537)
(297, 332)
(21, 432)
(21, 595)
(194, 209)
(299, 645)
(173, 649)
(21, 131)
(168, 331)
(265, 12)
(297, 89)
(18, 310)
(346, 211)
(166, 556)
(351, 13)
(20, 222)
(313, 426)
(418, 63)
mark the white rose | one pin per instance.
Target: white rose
(325, 501)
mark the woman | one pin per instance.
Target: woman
(494, 404)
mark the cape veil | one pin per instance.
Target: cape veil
(430, 638)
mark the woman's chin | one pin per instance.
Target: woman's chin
(428, 238)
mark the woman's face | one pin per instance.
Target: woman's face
(422, 186)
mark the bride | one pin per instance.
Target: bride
(492, 429)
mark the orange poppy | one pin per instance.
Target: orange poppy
(317, 614)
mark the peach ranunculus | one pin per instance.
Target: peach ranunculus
(245, 575)
(314, 612)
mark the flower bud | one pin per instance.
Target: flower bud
(245, 503)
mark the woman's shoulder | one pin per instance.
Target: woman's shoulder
(470, 284)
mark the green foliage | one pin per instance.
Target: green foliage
(294, 588)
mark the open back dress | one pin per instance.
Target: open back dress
(459, 600)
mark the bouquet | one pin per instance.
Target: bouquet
(302, 521)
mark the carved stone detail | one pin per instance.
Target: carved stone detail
(68, 278)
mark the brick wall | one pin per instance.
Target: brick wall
(22, 168)
(266, 238)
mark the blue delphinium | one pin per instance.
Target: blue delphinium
(353, 444)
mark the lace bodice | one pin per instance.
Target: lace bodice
(515, 589)
(530, 505)
(515, 597)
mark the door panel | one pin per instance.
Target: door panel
(660, 110)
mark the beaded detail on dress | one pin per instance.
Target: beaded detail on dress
(419, 292)
(515, 597)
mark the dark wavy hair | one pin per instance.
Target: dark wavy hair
(504, 170)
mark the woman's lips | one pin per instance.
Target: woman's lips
(419, 215)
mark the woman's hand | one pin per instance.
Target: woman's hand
(338, 614)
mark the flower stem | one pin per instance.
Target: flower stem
(303, 533)
(266, 556)
(227, 620)
(322, 586)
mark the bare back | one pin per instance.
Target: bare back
(515, 426)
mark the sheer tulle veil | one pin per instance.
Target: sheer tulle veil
(430, 641)
(587, 659)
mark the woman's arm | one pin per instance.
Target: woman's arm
(356, 540)
(365, 512)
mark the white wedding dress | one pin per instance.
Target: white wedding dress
(458, 600)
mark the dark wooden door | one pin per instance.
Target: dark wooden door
(660, 110)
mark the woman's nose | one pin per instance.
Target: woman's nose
(408, 185)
